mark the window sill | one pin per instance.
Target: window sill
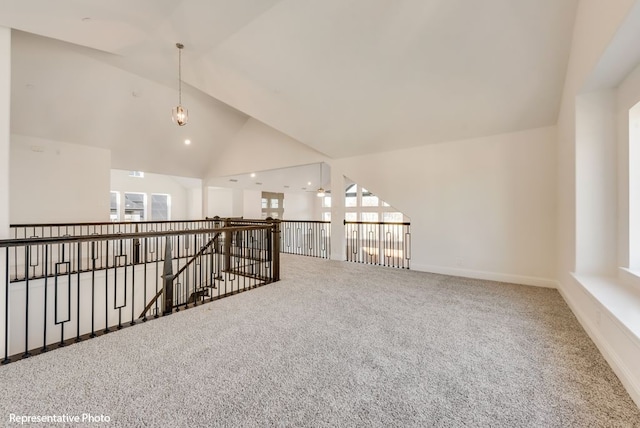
(619, 296)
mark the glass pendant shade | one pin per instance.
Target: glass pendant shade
(180, 115)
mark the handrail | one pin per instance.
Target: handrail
(242, 220)
(198, 254)
(307, 221)
(161, 291)
(406, 223)
(106, 223)
(66, 239)
(152, 302)
(58, 298)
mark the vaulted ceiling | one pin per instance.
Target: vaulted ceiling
(345, 77)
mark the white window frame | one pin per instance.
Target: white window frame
(118, 211)
(168, 206)
(359, 208)
(144, 209)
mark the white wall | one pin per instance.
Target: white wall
(338, 229)
(220, 202)
(301, 206)
(258, 147)
(226, 202)
(183, 199)
(5, 105)
(52, 181)
(596, 180)
(592, 192)
(194, 203)
(483, 207)
(237, 202)
(594, 28)
(252, 204)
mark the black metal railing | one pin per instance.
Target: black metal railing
(302, 237)
(378, 243)
(54, 230)
(306, 238)
(74, 288)
(34, 269)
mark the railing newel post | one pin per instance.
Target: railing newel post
(136, 249)
(167, 276)
(228, 236)
(275, 248)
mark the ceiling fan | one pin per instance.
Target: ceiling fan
(320, 192)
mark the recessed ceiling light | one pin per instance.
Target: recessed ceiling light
(187, 142)
(308, 183)
(253, 175)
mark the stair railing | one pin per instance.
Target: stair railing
(56, 300)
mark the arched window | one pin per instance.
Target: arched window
(363, 205)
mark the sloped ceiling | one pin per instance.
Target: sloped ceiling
(345, 77)
(61, 92)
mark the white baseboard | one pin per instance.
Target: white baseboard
(490, 276)
(608, 352)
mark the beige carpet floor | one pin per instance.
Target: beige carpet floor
(336, 344)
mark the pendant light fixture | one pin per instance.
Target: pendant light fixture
(321, 191)
(180, 115)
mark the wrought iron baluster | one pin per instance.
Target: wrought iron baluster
(46, 290)
(6, 308)
(26, 321)
(78, 294)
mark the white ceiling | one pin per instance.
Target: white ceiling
(346, 77)
(301, 178)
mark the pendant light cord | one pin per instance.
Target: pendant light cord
(180, 75)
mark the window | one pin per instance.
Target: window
(114, 207)
(369, 199)
(272, 205)
(135, 205)
(351, 196)
(362, 205)
(160, 207)
(368, 216)
(392, 217)
(634, 189)
(369, 207)
(137, 174)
